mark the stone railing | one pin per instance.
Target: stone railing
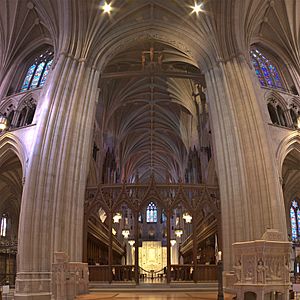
(69, 279)
(262, 268)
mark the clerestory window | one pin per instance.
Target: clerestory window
(265, 70)
(3, 226)
(37, 73)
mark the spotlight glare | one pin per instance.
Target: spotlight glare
(107, 8)
(197, 8)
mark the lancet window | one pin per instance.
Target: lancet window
(3, 226)
(295, 219)
(151, 213)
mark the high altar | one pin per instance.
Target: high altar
(152, 256)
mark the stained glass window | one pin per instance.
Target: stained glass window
(293, 223)
(151, 213)
(298, 221)
(163, 217)
(295, 219)
(3, 226)
(37, 73)
(46, 71)
(28, 77)
(265, 70)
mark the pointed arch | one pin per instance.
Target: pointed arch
(292, 142)
(9, 143)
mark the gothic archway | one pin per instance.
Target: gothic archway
(11, 188)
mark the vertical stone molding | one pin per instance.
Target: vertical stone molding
(261, 267)
(51, 218)
(251, 195)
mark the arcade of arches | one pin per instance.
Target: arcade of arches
(143, 141)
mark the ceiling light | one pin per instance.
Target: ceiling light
(197, 8)
(125, 233)
(178, 232)
(187, 217)
(173, 242)
(117, 217)
(131, 242)
(107, 8)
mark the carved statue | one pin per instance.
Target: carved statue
(143, 60)
(260, 271)
(249, 270)
(238, 270)
(151, 54)
(160, 58)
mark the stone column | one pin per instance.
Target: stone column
(136, 247)
(85, 239)
(128, 254)
(195, 245)
(251, 195)
(51, 218)
(174, 254)
(168, 245)
(110, 247)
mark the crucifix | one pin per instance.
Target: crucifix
(151, 54)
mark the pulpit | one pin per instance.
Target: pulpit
(261, 268)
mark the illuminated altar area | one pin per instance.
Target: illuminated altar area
(152, 256)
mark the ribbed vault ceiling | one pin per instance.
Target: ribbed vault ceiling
(147, 111)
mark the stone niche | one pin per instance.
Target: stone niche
(261, 268)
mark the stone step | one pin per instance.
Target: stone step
(123, 287)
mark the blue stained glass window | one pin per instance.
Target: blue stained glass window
(298, 220)
(46, 71)
(265, 70)
(28, 78)
(293, 223)
(151, 213)
(37, 73)
(295, 219)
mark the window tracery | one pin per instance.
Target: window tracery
(37, 73)
(265, 70)
(151, 213)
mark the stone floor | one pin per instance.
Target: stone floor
(153, 296)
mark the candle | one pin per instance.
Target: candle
(220, 255)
